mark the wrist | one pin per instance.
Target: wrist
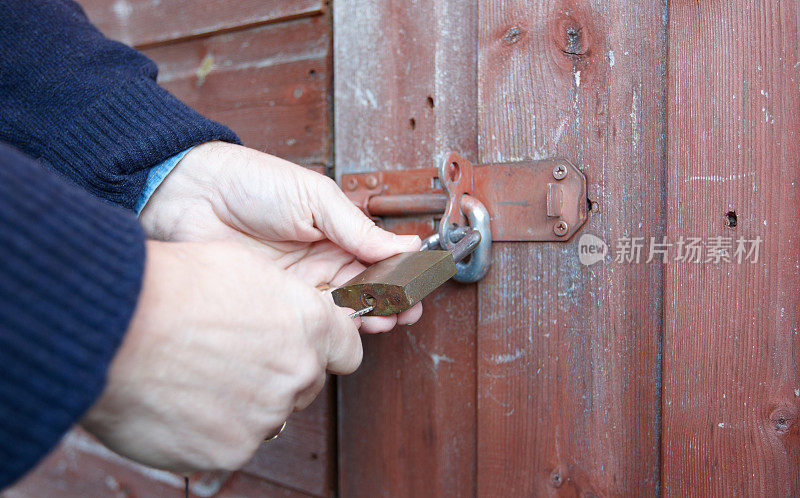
(182, 193)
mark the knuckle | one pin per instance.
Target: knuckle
(307, 372)
(326, 186)
(350, 354)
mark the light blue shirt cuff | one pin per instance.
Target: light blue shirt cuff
(156, 176)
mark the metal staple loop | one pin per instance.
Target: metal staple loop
(480, 257)
(455, 175)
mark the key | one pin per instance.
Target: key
(401, 281)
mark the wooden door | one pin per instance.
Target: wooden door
(619, 378)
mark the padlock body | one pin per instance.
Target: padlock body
(397, 283)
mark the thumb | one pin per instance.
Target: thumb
(345, 225)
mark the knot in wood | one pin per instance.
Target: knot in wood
(513, 34)
(782, 418)
(572, 37)
(556, 479)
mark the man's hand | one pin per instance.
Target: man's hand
(296, 217)
(223, 346)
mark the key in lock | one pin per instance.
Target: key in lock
(401, 281)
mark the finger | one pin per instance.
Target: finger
(411, 315)
(343, 223)
(344, 346)
(346, 273)
(378, 324)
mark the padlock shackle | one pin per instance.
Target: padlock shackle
(466, 245)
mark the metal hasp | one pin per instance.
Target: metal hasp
(530, 201)
(401, 281)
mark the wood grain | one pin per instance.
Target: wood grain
(270, 85)
(303, 456)
(148, 22)
(731, 348)
(82, 467)
(407, 417)
(568, 364)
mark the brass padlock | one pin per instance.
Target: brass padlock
(398, 283)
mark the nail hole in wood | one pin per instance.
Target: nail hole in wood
(413, 123)
(730, 219)
(430, 102)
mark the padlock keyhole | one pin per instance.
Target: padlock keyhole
(368, 299)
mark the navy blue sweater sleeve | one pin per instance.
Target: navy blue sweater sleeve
(70, 273)
(88, 107)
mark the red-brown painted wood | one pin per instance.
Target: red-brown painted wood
(407, 417)
(303, 457)
(270, 84)
(731, 403)
(147, 22)
(568, 363)
(82, 467)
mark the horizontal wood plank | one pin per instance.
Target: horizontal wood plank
(148, 22)
(269, 84)
(81, 466)
(302, 457)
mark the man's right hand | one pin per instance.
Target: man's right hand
(223, 346)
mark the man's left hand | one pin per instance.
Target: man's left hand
(297, 217)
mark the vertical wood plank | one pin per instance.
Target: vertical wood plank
(568, 355)
(731, 349)
(405, 93)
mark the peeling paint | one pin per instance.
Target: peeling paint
(635, 119)
(438, 358)
(559, 131)
(122, 9)
(508, 358)
(205, 69)
(721, 179)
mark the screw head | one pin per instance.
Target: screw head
(371, 181)
(560, 172)
(352, 183)
(561, 228)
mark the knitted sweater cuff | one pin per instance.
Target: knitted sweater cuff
(111, 145)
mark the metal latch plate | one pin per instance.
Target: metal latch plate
(537, 201)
